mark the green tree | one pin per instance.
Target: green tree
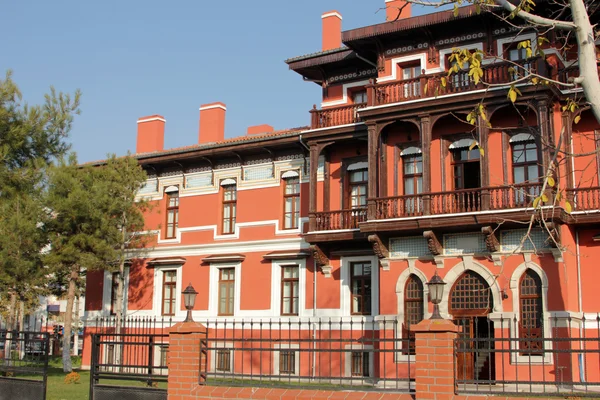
(31, 137)
(95, 225)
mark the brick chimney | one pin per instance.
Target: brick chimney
(150, 134)
(258, 129)
(212, 123)
(393, 7)
(332, 30)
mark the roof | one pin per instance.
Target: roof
(224, 143)
(408, 23)
(316, 54)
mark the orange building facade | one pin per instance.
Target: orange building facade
(350, 217)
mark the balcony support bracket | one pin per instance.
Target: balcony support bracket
(322, 260)
(491, 241)
(433, 243)
(379, 247)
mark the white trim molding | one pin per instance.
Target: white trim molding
(157, 293)
(213, 288)
(331, 14)
(515, 279)
(151, 119)
(345, 289)
(211, 106)
(276, 355)
(276, 267)
(344, 99)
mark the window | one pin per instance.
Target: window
(359, 97)
(530, 324)
(412, 88)
(360, 363)
(358, 188)
(360, 284)
(172, 214)
(289, 290)
(525, 162)
(169, 292)
(287, 362)
(413, 181)
(229, 205)
(413, 311)
(226, 290)
(223, 360)
(291, 199)
(113, 293)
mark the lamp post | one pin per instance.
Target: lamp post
(189, 299)
(436, 290)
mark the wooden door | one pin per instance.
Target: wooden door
(465, 350)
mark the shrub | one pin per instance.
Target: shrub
(73, 377)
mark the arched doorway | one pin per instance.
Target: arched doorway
(470, 303)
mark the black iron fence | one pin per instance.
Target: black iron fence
(505, 357)
(23, 364)
(127, 365)
(318, 353)
(332, 353)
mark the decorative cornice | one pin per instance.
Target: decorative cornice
(379, 248)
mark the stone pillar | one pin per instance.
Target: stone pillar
(187, 360)
(434, 376)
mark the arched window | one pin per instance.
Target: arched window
(413, 311)
(530, 309)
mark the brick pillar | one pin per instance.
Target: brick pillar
(186, 360)
(434, 377)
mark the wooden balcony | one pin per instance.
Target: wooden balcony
(584, 199)
(426, 86)
(457, 201)
(335, 116)
(337, 220)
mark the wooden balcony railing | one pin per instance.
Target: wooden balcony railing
(584, 199)
(337, 220)
(335, 116)
(431, 85)
(458, 201)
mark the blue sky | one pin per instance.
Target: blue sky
(134, 58)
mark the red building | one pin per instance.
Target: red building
(350, 217)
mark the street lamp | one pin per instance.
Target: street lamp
(436, 290)
(189, 299)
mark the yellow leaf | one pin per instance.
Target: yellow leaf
(536, 202)
(568, 207)
(481, 152)
(535, 80)
(572, 107)
(512, 95)
(544, 198)
(577, 119)
(558, 196)
(456, 10)
(529, 52)
(443, 81)
(551, 181)
(472, 146)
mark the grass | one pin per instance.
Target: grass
(57, 389)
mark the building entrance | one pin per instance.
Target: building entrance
(470, 304)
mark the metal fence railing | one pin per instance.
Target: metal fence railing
(507, 358)
(318, 353)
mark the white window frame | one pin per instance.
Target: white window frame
(286, 347)
(213, 289)
(107, 291)
(351, 348)
(213, 356)
(515, 280)
(158, 290)
(345, 289)
(276, 267)
(400, 288)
